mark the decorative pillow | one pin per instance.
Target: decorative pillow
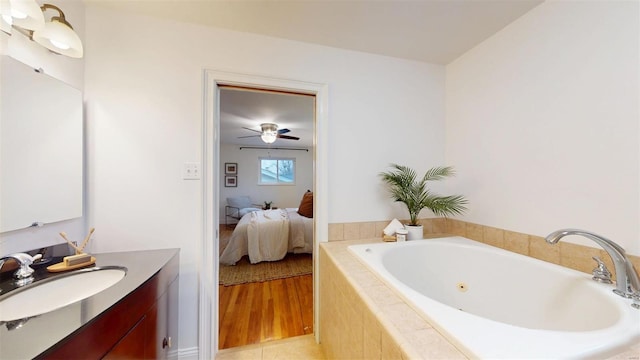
(306, 205)
(240, 202)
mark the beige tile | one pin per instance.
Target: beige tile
(438, 226)
(578, 257)
(493, 236)
(303, 347)
(381, 295)
(353, 303)
(342, 257)
(336, 232)
(353, 334)
(456, 227)
(367, 230)
(404, 318)
(409, 353)
(372, 341)
(540, 249)
(242, 353)
(351, 231)
(390, 349)
(380, 225)
(516, 242)
(431, 345)
(347, 262)
(365, 279)
(475, 232)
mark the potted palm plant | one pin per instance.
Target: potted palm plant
(405, 187)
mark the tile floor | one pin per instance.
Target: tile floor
(300, 347)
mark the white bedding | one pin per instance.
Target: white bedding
(268, 235)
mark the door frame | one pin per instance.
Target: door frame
(208, 264)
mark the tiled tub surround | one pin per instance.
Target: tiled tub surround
(362, 318)
(573, 256)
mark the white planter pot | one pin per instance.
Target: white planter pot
(415, 232)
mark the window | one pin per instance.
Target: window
(277, 171)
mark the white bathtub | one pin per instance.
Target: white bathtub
(493, 303)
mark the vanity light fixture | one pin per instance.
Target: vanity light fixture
(5, 16)
(58, 36)
(269, 132)
(25, 14)
(55, 34)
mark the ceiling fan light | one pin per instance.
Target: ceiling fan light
(269, 137)
(269, 132)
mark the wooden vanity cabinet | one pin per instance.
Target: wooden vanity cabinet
(143, 325)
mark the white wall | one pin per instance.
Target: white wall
(282, 196)
(543, 121)
(70, 71)
(144, 106)
(542, 125)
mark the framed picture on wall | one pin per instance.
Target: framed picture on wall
(230, 181)
(231, 168)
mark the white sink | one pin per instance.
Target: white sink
(57, 291)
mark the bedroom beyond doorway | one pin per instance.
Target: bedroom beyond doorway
(266, 156)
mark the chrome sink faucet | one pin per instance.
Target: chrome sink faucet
(24, 272)
(627, 281)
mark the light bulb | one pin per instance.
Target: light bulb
(268, 137)
(59, 45)
(18, 14)
(7, 18)
(59, 38)
(25, 14)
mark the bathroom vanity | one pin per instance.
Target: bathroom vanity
(135, 318)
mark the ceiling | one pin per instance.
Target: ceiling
(242, 108)
(433, 31)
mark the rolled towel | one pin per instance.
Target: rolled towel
(394, 225)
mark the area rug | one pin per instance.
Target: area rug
(245, 272)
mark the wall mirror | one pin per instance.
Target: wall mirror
(41, 148)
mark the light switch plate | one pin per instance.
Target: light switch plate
(191, 171)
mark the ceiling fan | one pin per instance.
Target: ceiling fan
(269, 133)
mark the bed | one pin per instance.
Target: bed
(268, 235)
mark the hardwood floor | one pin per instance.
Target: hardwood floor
(258, 312)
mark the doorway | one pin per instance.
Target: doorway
(266, 291)
(208, 341)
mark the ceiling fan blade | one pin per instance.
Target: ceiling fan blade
(248, 136)
(283, 131)
(288, 137)
(258, 131)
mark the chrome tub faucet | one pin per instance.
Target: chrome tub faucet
(627, 281)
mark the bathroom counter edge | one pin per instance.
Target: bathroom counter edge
(43, 332)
